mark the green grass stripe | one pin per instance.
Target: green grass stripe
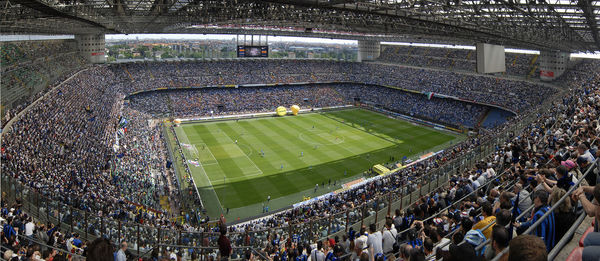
(365, 138)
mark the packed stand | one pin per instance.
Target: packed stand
(514, 95)
(517, 64)
(30, 68)
(485, 210)
(63, 147)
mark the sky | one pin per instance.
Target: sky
(271, 39)
(315, 40)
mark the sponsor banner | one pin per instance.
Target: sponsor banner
(315, 199)
(258, 114)
(544, 73)
(99, 53)
(193, 162)
(349, 184)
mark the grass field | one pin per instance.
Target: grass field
(299, 152)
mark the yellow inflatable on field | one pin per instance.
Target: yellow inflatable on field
(281, 111)
(295, 109)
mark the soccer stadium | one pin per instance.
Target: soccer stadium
(299, 130)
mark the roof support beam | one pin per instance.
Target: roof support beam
(588, 11)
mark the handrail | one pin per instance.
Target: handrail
(461, 199)
(551, 210)
(481, 186)
(486, 142)
(7, 127)
(493, 222)
(26, 238)
(482, 229)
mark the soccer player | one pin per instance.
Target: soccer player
(301, 154)
(316, 187)
(235, 141)
(281, 166)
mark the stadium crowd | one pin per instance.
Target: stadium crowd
(517, 64)
(514, 95)
(29, 69)
(219, 101)
(63, 148)
(481, 211)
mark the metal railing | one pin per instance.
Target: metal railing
(90, 225)
(551, 210)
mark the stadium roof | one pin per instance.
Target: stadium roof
(567, 25)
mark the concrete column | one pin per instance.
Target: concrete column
(553, 64)
(368, 50)
(92, 47)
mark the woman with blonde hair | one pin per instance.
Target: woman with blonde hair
(563, 214)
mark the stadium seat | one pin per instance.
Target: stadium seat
(575, 255)
(587, 231)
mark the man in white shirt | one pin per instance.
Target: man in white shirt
(388, 237)
(374, 240)
(490, 171)
(317, 253)
(29, 227)
(121, 253)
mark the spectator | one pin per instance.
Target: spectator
(488, 218)
(546, 230)
(374, 241)
(527, 247)
(100, 250)
(224, 243)
(120, 255)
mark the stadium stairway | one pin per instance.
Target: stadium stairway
(482, 118)
(128, 73)
(572, 250)
(532, 66)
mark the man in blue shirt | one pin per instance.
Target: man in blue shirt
(546, 229)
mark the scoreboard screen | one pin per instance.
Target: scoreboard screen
(253, 51)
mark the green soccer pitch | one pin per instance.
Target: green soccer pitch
(244, 162)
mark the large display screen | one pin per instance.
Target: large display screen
(252, 51)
